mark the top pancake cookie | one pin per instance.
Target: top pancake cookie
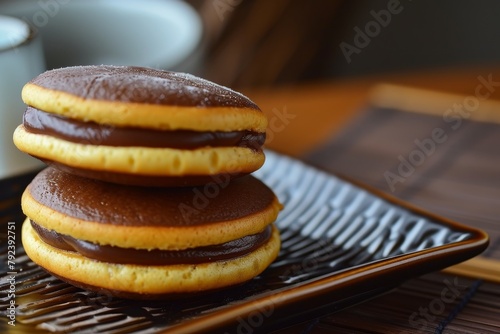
(142, 97)
(140, 126)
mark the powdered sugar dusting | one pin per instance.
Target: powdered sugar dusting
(141, 85)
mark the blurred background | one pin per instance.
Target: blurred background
(244, 43)
(260, 42)
(255, 43)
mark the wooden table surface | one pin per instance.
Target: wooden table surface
(316, 111)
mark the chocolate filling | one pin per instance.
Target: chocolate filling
(112, 254)
(40, 122)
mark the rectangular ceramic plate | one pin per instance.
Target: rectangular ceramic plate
(341, 244)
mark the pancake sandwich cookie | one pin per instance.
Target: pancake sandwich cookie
(140, 126)
(140, 242)
(141, 199)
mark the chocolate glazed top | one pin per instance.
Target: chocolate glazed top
(107, 203)
(40, 122)
(225, 251)
(141, 85)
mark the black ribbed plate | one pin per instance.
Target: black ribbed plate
(341, 244)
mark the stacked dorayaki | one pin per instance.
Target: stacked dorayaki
(148, 191)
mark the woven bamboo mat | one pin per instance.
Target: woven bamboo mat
(440, 152)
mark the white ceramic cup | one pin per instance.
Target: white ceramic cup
(156, 33)
(21, 59)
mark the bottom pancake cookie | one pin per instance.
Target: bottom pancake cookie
(147, 282)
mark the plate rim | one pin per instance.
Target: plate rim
(332, 282)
